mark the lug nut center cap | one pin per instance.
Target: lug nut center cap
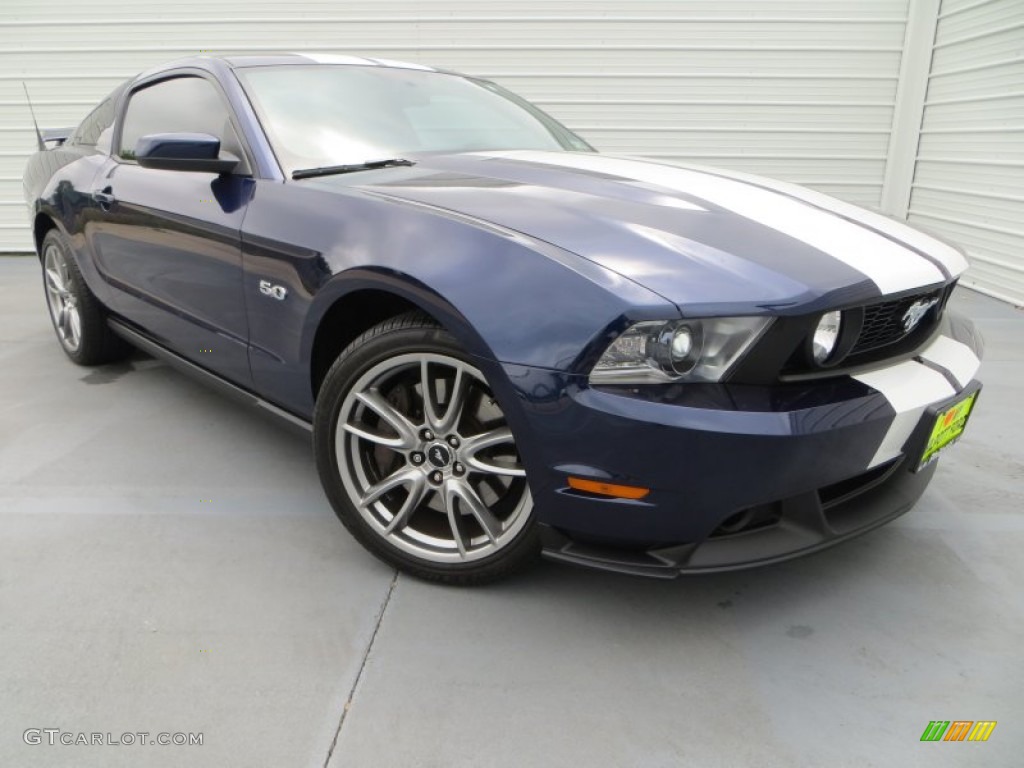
(439, 455)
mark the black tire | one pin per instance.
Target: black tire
(78, 318)
(486, 544)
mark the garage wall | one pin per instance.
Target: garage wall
(969, 178)
(803, 90)
(797, 89)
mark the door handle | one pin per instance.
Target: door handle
(104, 197)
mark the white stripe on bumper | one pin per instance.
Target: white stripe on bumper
(910, 387)
(891, 266)
(955, 357)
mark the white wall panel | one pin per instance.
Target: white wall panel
(798, 89)
(969, 178)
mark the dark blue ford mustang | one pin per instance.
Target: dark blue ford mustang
(502, 341)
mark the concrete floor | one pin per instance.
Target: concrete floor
(169, 563)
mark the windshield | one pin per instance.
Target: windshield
(323, 115)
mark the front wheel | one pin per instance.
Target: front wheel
(417, 458)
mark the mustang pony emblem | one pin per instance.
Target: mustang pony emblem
(915, 312)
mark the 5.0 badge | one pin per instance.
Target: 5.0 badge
(278, 292)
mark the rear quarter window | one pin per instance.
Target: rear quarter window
(99, 123)
(88, 131)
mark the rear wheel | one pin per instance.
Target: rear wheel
(78, 317)
(417, 458)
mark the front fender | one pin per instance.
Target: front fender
(520, 299)
(505, 296)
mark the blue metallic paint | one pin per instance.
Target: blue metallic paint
(170, 247)
(708, 260)
(179, 145)
(319, 259)
(180, 255)
(687, 445)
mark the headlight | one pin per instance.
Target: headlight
(826, 336)
(678, 350)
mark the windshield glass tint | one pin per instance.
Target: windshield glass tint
(325, 115)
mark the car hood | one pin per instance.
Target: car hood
(705, 239)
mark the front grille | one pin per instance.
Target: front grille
(883, 322)
(870, 333)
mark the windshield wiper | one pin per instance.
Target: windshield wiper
(327, 170)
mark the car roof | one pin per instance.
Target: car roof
(320, 58)
(213, 61)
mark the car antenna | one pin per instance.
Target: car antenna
(39, 137)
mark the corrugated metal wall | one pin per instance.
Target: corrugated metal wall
(969, 178)
(797, 89)
(802, 90)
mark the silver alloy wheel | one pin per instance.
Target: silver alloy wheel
(426, 456)
(62, 302)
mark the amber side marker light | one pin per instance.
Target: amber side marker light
(608, 489)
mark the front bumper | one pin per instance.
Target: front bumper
(780, 531)
(738, 475)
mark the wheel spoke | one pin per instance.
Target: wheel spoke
(62, 315)
(54, 281)
(417, 491)
(468, 496)
(373, 437)
(404, 476)
(75, 324)
(508, 470)
(405, 429)
(472, 446)
(442, 423)
(62, 266)
(453, 518)
(488, 439)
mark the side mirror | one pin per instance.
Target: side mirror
(184, 152)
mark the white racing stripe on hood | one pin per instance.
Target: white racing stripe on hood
(955, 357)
(910, 388)
(944, 253)
(890, 266)
(335, 58)
(403, 65)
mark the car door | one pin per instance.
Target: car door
(167, 241)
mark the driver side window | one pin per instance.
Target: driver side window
(178, 105)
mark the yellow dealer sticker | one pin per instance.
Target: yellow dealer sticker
(949, 425)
